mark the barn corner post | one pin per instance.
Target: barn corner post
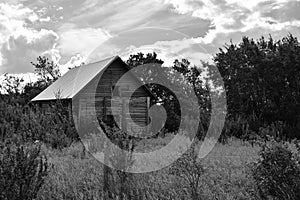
(147, 115)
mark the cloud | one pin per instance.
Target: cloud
(20, 42)
(23, 37)
(122, 15)
(281, 12)
(116, 15)
(22, 48)
(170, 50)
(187, 49)
(68, 31)
(16, 12)
(232, 19)
(168, 43)
(13, 18)
(87, 24)
(82, 41)
(74, 61)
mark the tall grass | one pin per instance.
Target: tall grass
(225, 174)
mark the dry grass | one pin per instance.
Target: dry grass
(77, 175)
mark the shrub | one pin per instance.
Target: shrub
(277, 173)
(24, 124)
(190, 170)
(22, 171)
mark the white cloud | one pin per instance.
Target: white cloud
(21, 49)
(20, 43)
(168, 51)
(53, 54)
(118, 15)
(246, 4)
(232, 16)
(76, 60)
(12, 18)
(17, 12)
(80, 40)
(181, 7)
(92, 22)
(59, 8)
(46, 19)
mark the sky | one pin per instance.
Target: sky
(70, 32)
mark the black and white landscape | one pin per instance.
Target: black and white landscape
(134, 100)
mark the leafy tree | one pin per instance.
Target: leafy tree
(148, 73)
(192, 76)
(140, 59)
(47, 70)
(192, 81)
(262, 80)
(163, 95)
(187, 80)
(11, 84)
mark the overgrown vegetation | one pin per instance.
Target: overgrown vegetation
(190, 170)
(24, 124)
(277, 173)
(41, 156)
(260, 80)
(22, 171)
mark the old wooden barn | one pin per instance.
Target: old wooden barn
(87, 92)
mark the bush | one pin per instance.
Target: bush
(190, 170)
(24, 124)
(22, 171)
(277, 173)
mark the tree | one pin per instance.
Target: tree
(192, 82)
(163, 95)
(11, 84)
(47, 70)
(262, 79)
(185, 78)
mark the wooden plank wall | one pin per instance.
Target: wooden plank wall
(96, 97)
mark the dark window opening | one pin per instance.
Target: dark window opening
(109, 120)
(115, 90)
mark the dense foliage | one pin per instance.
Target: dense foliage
(28, 124)
(185, 78)
(277, 173)
(262, 82)
(22, 171)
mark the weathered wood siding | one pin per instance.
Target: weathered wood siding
(96, 98)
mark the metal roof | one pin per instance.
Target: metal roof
(74, 81)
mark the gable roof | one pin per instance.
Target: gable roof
(74, 80)
(71, 83)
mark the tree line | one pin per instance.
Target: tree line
(261, 79)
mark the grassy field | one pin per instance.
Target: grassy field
(77, 175)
